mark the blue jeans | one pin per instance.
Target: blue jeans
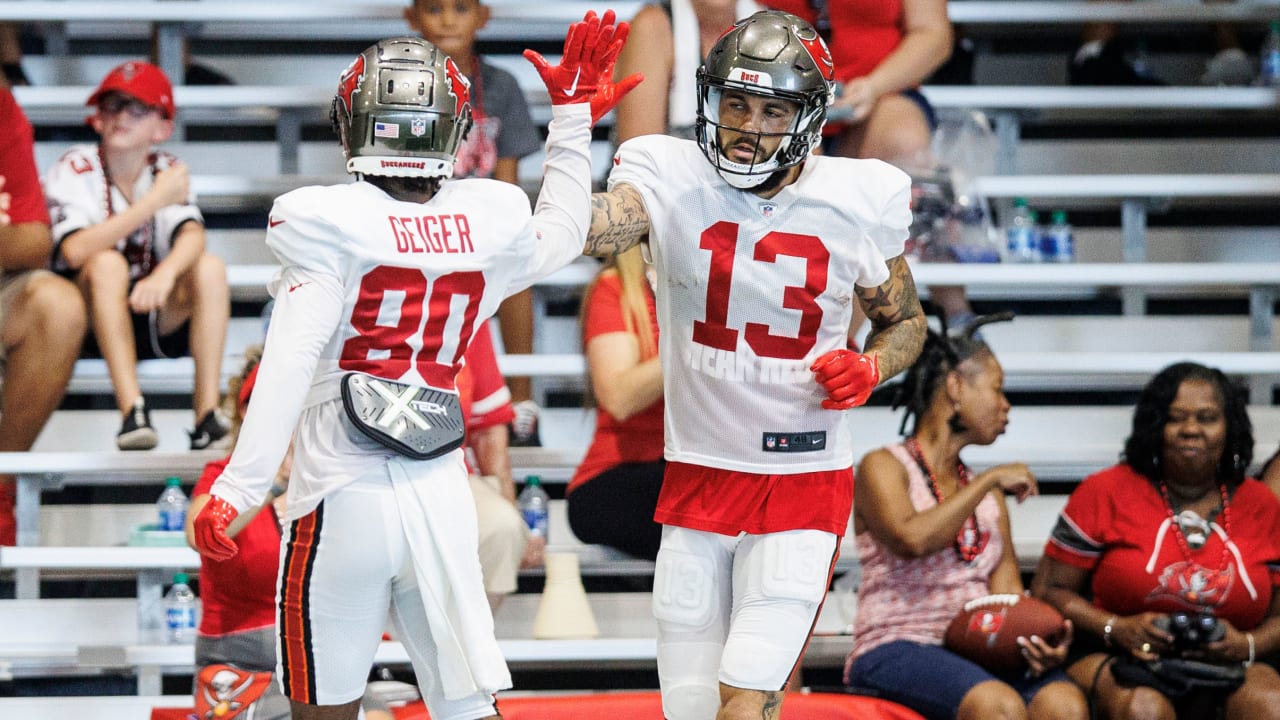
(931, 679)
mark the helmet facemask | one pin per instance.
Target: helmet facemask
(770, 55)
(402, 110)
(795, 141)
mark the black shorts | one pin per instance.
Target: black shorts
(148, 343)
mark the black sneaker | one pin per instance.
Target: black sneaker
(524, 428)
(1105, 64)
(212, 428)
(136, 432)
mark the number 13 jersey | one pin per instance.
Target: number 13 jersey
(751, 291)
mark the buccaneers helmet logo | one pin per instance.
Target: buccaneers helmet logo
(349, 83)
(459, 87)
(817, 49)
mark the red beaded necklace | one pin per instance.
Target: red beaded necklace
(137, 245)
(1181, 538)
(969, 542)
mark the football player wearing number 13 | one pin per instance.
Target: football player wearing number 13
(383, 282)
(760, 250)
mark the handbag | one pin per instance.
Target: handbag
(1178, 677)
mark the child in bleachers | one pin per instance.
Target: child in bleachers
(502, 132)
(126, 229)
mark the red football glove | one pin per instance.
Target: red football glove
(847, 376)
(585, 72)
(210, 529)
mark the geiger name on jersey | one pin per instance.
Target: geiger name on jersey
(432, 234)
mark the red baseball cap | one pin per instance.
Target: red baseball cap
(139, 80)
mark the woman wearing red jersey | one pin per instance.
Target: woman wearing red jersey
(613, 494)
(1176, 527)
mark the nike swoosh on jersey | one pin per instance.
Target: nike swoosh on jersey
(574, 87)
(272, 222)
(295, 287)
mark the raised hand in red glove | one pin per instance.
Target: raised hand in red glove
(847, 376)
(210, 529)
(585, 72)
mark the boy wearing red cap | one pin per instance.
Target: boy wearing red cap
(126, 229)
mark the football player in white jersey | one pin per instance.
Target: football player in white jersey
(383, 282)
(761, 248)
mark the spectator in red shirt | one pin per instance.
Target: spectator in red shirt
(42, 318)
(1176, 526)
(614, 492)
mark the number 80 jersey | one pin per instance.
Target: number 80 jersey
(417, 279)
(751, 291)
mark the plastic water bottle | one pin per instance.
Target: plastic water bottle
(171, 508)
(1269, 65)
(1058, 243)
(1021, 234)
(534, 505)
(180, 610)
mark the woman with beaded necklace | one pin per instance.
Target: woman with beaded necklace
(933, 535)
(1175, 527)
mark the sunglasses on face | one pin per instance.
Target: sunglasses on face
(115, 104)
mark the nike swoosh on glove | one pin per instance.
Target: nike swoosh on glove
(585, 72)
(210, 529)
(847, 376)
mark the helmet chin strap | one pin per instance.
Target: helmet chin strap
(743, 182)
(745, 177)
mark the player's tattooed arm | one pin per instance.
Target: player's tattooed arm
(898, 324)
(619, 220)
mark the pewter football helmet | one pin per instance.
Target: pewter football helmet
(402, 109)
(770, 53)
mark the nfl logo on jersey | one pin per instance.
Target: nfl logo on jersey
(418, 127)
(767, 209)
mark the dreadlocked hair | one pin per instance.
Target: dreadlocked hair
(943, 352)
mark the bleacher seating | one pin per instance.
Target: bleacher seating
(1159, 225)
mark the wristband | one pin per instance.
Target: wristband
(1252, 649)
(1106, 630)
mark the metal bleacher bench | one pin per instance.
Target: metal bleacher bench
(50, 637)
(1254, 356)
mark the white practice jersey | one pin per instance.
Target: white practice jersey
(395, 290)
(752, 291)
(77, 191)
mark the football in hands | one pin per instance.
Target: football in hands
(986, 630)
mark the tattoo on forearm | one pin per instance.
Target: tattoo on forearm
(898, 324)
(618, 221)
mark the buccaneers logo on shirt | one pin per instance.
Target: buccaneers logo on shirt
(224, 692)
(1193, 584)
